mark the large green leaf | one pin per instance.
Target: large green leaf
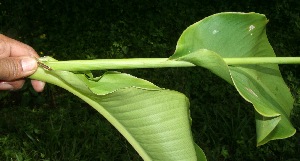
(238, 35)
(155, 121)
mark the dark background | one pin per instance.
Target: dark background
(55, 125)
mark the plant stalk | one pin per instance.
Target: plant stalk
(262, 60)
(133, 63)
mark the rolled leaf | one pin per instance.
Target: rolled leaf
(239, 35)
(155, 121)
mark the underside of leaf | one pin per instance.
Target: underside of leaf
(155, 121)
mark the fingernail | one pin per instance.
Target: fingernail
(6, 86)
(28, 64)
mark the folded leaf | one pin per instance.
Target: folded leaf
(238, 35)
(155, 121)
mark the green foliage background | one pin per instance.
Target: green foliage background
(55, 125)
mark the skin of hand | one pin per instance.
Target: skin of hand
(17, 61)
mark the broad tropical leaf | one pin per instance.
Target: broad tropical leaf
(238, 35)
(155, 121)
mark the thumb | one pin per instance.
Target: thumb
(12, 68)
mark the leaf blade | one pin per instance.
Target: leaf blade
(155, 121)
(237, 35)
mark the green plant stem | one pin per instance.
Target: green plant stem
(262, 60)
(104, 64)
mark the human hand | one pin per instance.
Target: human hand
(17, 61)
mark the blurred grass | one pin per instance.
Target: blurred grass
(55, 125)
